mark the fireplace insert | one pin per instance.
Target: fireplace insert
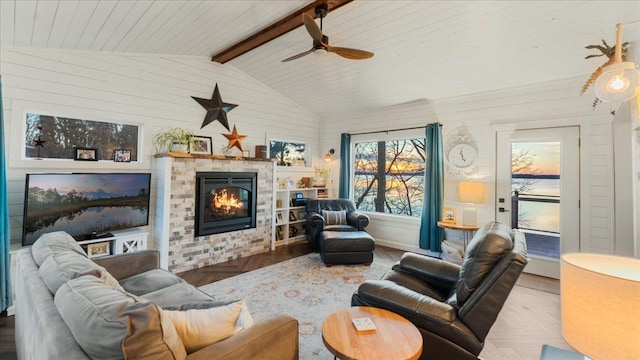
(225, 201)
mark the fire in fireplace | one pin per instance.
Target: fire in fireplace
(225, 201)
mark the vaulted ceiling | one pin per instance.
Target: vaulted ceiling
(423, 49)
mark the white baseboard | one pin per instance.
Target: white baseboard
(406, 247)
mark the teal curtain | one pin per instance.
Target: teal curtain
(430, 232)
(345, 166)
(6, 299)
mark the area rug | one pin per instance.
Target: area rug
(303, 288)
(307, 290)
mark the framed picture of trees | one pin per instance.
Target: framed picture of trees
(57, 137)
(289, 153)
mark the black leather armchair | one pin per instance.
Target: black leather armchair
(453, 306)
(356, 221)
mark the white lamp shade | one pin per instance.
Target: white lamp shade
(471, 192)
(617, 83)
(600, 305)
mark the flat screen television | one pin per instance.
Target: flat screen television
(85, 205)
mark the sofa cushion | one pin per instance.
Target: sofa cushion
(111, 324)
(149, 281)
(59, 268)
(54, 243)
(176, 295)
(203, 327)
(334, 217)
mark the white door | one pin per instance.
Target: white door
(538, 192)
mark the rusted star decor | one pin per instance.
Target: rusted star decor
(216, 109)
(234, 139)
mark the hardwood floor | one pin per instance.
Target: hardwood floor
(209, 274)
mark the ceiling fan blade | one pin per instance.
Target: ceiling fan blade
(353, 54)
(298, 56)
(312, 28)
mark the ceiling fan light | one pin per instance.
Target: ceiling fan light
(319, 51)
(618, 82)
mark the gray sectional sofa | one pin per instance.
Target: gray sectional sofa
(70, 307)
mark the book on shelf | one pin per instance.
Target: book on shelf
(323, 194)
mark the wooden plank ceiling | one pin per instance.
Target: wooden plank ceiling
(423, 49)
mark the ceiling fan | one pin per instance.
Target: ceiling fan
(321, 42)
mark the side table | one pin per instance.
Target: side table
(467, 230)
(394, 337)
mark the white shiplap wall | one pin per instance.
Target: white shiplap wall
(150, 90)
(545, 105)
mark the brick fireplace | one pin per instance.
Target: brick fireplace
(175, 193)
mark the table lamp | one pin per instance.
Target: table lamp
(599, 299)
(470, 193)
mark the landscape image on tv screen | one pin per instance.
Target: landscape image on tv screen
(84, 205)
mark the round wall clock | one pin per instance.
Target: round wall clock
(462, 155)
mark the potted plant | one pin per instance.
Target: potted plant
(321, 176)
(174, 140)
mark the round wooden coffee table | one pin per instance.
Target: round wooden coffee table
(394, 337)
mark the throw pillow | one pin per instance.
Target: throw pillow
(199, 328)
(111, 324)
(334, 217)
(59, 268)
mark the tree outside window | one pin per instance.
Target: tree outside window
(389, 176)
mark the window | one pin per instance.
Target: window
(389, 176)
(61, 135)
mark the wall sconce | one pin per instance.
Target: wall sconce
(470, 193)
(618, 81)
(599, 305)
(329, 155)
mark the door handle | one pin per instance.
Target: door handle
(502, 210)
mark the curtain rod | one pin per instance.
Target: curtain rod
(387, 131)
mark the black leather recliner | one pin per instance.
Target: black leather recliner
(453, 306)
(315, 225)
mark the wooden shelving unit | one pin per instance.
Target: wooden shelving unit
(289, 220)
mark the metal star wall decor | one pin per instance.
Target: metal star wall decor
(235, 139)
(216, 109)
(39, 143)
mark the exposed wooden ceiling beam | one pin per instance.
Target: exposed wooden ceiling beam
(281, 27)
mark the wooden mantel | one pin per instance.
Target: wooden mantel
(213, 157)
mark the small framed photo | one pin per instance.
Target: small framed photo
(279, 219)
(292, 216)
(86, 154)
(279, 233)
(449, 215)
(201, 145)
(121, 155)
(98, 249)
(293, 231)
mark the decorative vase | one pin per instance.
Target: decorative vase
(319, 181)
(179, 147)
